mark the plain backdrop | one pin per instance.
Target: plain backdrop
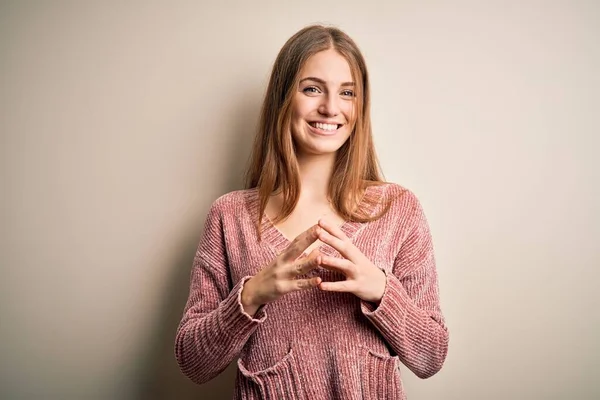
(122, 121)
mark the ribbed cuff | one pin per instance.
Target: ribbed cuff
(236, 322)
(393, 307)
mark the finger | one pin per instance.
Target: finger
(305, 264)
(301, 243)
(332, 228)
(303, 284)
(337, 264)
(344, 247)
(339, 286)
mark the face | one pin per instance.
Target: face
(323, 104)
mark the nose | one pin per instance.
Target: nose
(330, 106)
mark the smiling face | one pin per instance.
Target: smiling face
(322, 107)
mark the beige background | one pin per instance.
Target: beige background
(122, 121)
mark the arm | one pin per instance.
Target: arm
(409, 315)
(214, 327)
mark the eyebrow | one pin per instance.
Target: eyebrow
(321, 81)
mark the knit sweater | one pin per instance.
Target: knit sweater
(314, 344)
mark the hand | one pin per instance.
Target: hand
(279, 277)
(363, 279)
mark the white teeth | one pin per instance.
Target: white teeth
(325, 127)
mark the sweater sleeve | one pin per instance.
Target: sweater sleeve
(214, 327)
(409, 315)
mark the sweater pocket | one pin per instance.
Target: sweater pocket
(280, 381)
(382, 377)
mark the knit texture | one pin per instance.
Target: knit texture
(314, 344)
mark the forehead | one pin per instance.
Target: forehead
(328, 65)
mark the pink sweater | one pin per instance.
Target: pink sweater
(313, 344)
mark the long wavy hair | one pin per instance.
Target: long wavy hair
(273, 163)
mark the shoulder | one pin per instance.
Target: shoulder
(226, 210)
(232, 203)
(402, 203)
(233, 199)
(397, 195)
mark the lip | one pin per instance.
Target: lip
(322, 132)
(326, 122)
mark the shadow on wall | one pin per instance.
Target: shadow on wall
(161, 377)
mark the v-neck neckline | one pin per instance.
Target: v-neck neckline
(279, 242)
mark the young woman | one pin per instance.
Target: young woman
(319, 277)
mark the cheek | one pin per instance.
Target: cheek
(305, 106)
(298, 115)
(349, 112)
(298, 108)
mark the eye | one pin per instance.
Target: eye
(348, 93)
(311, 90)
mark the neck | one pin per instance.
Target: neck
(315, 174)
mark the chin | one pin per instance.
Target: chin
(321, 151)
(313, 148)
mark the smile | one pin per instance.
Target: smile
(324, 129)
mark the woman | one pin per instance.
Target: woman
(330, 314)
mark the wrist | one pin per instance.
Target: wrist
(247, 298)
(381, 291)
